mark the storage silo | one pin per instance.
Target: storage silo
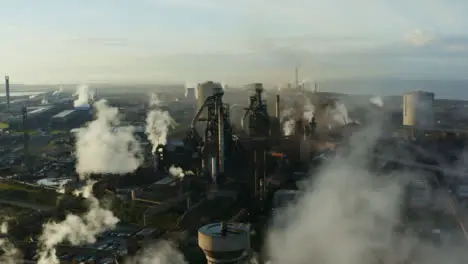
(225, 243)
(418, 109)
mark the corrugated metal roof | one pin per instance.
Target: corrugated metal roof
(63, 114)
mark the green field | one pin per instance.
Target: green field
(17, 187)
(22, 193)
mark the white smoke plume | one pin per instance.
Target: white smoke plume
(157, 123)
(377, 100)
(9, 254)
(59, 91)
(340, 114)
(309, 110)
(4, 228)
(349, 215)
(288, 121)
(83, 95)
(163, 252)
(178, 172)
(100, 148)
(76, 230)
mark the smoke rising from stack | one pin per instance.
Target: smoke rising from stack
(377, 100)
(288, 121)
(83, 95)
(8, 253)
(309, 110)
(76, 230)
(178, 172)
(157, 123)
(57, 92)
(349, 215)
(100, 148)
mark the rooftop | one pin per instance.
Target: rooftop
(63, 114)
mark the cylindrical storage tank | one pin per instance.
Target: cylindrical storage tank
(418, 109)
(204, 90)
(230, 246)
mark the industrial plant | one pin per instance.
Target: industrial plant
(202, 174)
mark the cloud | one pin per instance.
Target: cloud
(419, 38)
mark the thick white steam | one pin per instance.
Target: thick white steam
(178, 172)
(100, 148)
(4, 228)
(349, 215)
(9, 254)
(340, 114)
(161, 253)
(76, 230)
(288, 121)
(377, 100)
(83, 95)
(157, 123)
(309, 110)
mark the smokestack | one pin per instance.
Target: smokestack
(220, 137)
(25, 136)
(277, 106)
(315, 87)
(7, 91)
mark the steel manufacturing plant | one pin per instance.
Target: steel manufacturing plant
(247, 174)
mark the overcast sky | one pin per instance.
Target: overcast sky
(52, 41)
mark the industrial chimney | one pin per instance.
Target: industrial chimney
(7, 91)
(227, 243)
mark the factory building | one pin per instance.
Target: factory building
(36, 117)
(418, 109)
(204, 90)
(70, 119)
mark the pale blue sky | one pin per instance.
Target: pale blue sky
(53, 41)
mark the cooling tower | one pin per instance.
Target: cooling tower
(226, 243)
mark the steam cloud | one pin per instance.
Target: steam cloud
(83, 95)
(59, 91)
(309, 110)
(157, 123)
(74, 229)
(350, 215)
(8, 253)
(377, 100)
(163, 252)
(100, 148)
(178, 172)
(288, 121)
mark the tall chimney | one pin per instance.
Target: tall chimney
(7, 91)
(277, 106)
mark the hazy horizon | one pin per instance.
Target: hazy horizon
(177, 41)
(443, 89)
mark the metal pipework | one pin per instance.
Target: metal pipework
(197, 116)
(221, 147)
